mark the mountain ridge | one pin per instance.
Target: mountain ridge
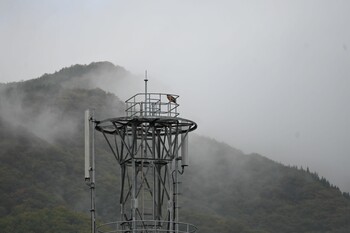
(42, 172)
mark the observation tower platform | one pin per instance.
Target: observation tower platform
(150, 144)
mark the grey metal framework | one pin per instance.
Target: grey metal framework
(151, 145)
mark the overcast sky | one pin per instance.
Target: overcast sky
(271, 77)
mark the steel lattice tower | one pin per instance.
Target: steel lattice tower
(150, 144)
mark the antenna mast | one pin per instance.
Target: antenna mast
(146, 80)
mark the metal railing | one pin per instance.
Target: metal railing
(146, 226)
(152, 104)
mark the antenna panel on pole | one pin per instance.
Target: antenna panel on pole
(184, 150)
(87, 144)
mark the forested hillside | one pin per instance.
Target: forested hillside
(42, 185)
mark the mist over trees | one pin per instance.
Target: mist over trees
(42, 185)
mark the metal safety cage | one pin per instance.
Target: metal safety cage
(152, 104)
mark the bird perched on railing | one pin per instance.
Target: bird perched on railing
(171, 98)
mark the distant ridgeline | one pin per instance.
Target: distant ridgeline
(41, 168)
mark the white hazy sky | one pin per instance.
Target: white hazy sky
(265, 76)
